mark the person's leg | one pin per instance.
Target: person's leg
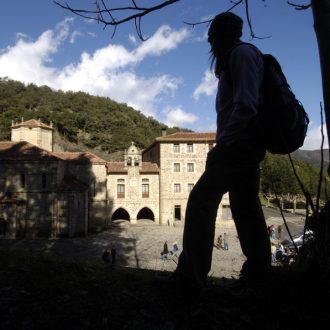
(250, 223)
(198, 236)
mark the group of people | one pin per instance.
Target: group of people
(222, 242)
(108, 257)
(273, 232)
(167, 254)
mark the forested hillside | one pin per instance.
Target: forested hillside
(95, 122)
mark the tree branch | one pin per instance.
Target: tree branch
(102, 9)
(247, 14)
(299, 7)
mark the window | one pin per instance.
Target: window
(226, 212)
(190, 187)
(43, 180)
(190, 147)
(177, 187)
(176, 167)
(177, 212)
(120, 190)
(145, 190)
(176, 147)
(22, 180)
(210, 146)
(190, 167)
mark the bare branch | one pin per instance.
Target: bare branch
(247, 14)
(210, 20)
(299, 7)
(134, 13)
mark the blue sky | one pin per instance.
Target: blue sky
(167, 76)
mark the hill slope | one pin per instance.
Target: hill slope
(313, 157)
(95, 122)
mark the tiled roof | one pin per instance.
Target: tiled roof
(71, 184)
(187, 136)
(80, 157)
(24, 151)
(119, 167)
(116, 167)
(31, 123)
(148, 167)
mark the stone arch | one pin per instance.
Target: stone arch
(145, 213)
(120, 214)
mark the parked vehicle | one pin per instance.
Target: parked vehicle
(290, 253)
(299, 238)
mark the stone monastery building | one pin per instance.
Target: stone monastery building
(47, 193)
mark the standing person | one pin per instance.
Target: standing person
(225, 242)
(113, 255)
(232, 165)
(273, 251)
(165, 251)
(220, 242)
(175, 249)
(106, 256)
(279, 231)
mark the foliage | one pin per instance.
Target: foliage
(96, 122)
(278, 177)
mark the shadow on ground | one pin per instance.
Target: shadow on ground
(41, 290)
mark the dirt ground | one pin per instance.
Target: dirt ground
(140, 245)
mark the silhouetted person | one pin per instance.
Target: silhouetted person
(106, 256)
(232, 165)
(113, 255)
(165, 251)
(225, 242)
(279, 231)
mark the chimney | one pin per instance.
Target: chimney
(164, 132)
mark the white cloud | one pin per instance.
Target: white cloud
(164, 40)
(178, 117)
(108, 71)
(74, 35)
(314, 138)
(91, 34)
(207, 87)
(132, 39)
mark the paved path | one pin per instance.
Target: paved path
(139, 245)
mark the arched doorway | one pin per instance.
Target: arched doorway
(145, 213)
(120, 214)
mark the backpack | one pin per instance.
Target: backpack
(282, 119)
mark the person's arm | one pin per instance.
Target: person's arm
(245, 71)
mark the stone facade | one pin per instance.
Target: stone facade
(34, 131)
(133, 188)
(45, 193)
(181, 158)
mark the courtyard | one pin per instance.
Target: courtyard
(139, 245)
